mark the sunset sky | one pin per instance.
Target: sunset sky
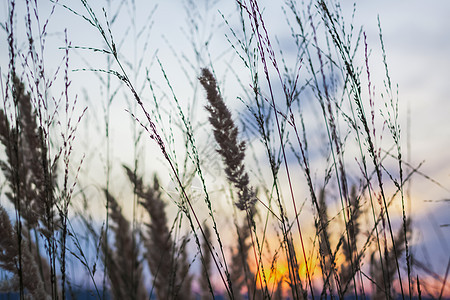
(416, 36)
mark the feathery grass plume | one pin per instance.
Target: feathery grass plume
(123, 259)
(31, 180)
(350, 250)
(321, 225)
(170, 277)
(9, 257)
(232, 152)
(26, 168)
(391, 266)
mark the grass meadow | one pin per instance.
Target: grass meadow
(259, 151)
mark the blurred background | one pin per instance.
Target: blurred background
(164, 44)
